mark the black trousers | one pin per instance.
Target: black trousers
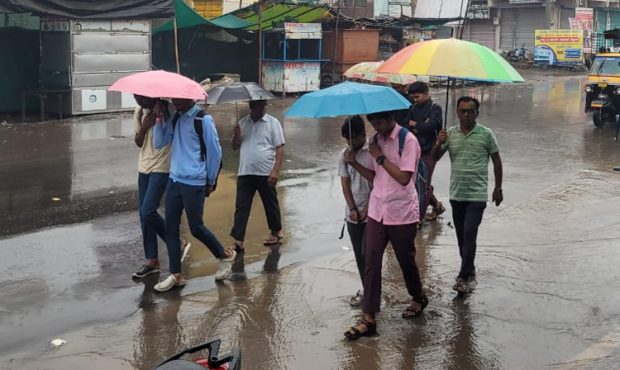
(246, 188)
(467, 216)
(357, 233)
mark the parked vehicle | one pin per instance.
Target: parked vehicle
(517, 55)
(602, 89)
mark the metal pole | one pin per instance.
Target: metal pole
(463, 19)
(335, 43)
(260, 42)
(445, 120)
(176, 45)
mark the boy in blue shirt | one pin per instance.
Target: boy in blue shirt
(191, 176)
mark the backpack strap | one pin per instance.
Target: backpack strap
(175, 119)
(402, 134)
(198, 128)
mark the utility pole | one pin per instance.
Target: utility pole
(549, 13)
(260, 42)
(335, 43)
(463, 18)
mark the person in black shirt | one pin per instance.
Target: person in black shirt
(425, 121)
(402, 116)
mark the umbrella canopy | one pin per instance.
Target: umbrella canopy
(368, 71)
(361, 70)
(393, 78)
(238, 92)
(348, 98)
(159, 84)
(452, 58)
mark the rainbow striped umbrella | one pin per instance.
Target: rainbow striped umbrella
(452, 58)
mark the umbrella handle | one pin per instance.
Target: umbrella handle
(445, 120)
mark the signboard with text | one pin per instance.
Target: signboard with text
(558, 46)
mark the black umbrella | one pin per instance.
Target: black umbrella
(237, 92)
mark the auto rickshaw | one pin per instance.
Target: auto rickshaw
(603, 88)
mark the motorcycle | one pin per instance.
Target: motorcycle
(517, 55)
(229, 361)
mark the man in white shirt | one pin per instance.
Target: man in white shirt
(260, 138)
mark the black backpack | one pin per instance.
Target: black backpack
(203, 147)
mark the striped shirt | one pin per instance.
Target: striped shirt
(470, 155)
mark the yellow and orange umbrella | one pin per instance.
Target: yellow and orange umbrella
(368, 71)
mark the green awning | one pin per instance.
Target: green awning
(247, 18)
(230, 21)
(187, 17)
(280, 13)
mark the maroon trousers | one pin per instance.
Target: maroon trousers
(402, 238)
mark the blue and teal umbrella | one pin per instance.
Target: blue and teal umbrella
(348, 98)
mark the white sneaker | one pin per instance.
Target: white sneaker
(225, 268)
(168, 283)
(185, 251)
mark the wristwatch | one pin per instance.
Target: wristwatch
(380, 160)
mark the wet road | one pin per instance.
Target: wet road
(547, 258)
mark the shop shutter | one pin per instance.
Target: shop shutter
(482, 31)
(508, 22)
(529, 20)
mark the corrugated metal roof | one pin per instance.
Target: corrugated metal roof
(441, 9)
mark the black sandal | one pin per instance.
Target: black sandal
(354, 333)
(411, 312)
(273, 240)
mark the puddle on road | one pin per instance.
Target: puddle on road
(547, 267)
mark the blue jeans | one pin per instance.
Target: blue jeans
(191, 198)
(151, 188)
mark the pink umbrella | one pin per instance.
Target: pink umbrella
(160, 84)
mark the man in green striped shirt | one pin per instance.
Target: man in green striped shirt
(470, 145)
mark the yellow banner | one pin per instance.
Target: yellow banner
(558, 46)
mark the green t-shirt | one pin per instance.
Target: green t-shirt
(470, 155)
